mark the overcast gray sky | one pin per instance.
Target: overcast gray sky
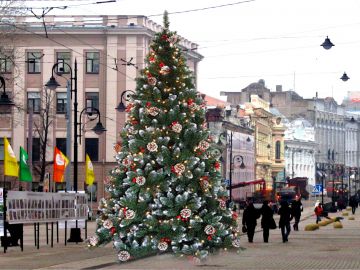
(275, 40)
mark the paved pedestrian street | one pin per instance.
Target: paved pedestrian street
(326, 248)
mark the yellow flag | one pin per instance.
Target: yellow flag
(90, 176)
(10, 162)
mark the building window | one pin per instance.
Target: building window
(61, 144)
(36, 149)
(92, 148)
(33, 61)
(63, 58)
(34, 102)
(92, 100)
(278, 150)
(61, 101)
(92, 62)
(2, 147)
(5, 64)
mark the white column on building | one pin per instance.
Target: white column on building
(111, 92)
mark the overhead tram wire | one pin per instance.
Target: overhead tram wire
(59, 43)
(63, 6)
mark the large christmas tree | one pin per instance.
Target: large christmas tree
(165, 193)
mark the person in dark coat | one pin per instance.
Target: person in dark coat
(266, 219)
(296, 208)
(353, 203)
(285, 218)
(250, 216)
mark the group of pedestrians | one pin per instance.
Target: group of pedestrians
(287, 213)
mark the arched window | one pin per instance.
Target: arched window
(278, 150)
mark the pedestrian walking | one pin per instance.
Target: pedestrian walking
(267, 220)
(318, 212)
(353, 203)
(285, 218)
(296, 208)
(250, 215)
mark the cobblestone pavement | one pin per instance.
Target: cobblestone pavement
(326, 248)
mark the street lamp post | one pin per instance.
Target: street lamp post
(124, 95)
(52, 84)
(5, 102)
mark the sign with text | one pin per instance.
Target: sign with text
(33, 207)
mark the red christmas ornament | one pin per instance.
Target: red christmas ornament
(190, 101)
(151, 59)
(161, 64)
(134, 180)
(129, 107)
(113, 230)
(142, 149)
(234, 215)
(149, 75)
(148, 104)
(164, 37)
(178, 217)
(209, 237)
(217, 165)
(134, 122)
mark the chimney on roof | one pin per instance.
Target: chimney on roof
(279, 88)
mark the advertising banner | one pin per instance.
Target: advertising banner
(33, 207)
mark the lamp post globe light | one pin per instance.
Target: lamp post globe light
(327, 44)
(52, 84)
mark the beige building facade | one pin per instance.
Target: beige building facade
(109, 51)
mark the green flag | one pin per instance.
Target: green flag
(24, 171)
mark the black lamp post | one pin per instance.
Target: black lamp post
(52, 84)
(124, 95)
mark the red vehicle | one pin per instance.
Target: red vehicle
(340, 189)
(299, 184)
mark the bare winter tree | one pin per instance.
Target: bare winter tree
(42, 125)
(8, 10)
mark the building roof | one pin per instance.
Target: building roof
(211, 101)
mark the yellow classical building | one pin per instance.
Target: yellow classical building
(269, 140)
